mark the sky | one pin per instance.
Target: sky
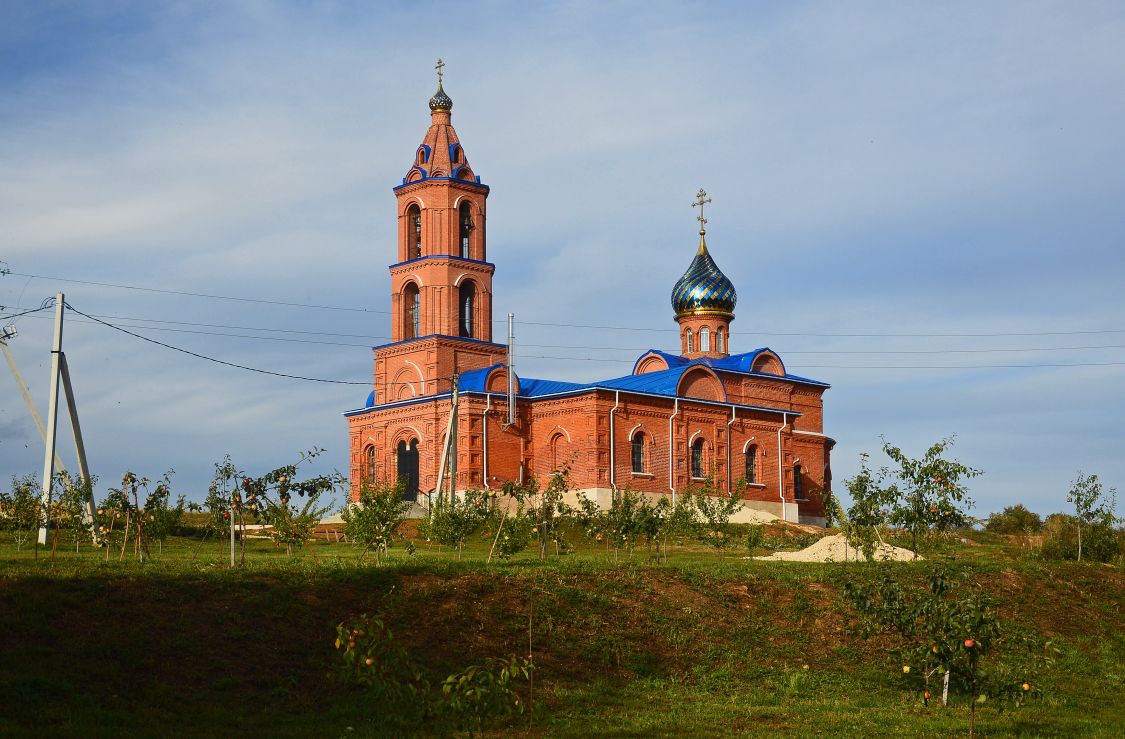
(920, 204)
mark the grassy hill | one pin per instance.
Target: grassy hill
(703, 645)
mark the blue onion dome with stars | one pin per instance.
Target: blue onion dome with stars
(703, 288)
(441, 101)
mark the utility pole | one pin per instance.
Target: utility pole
(60, 371)
(453, 444)
(52, 423)
(448, 447)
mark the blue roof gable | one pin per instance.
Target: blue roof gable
(733, 363)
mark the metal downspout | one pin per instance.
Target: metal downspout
(671, 448)
(780, 466)
(484, 441)
(613, 444)
(730, 488)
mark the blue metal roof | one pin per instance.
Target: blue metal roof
(473, 380)
(662, 382)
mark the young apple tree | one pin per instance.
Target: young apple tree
(929, 494)
(1092, 504)
(375, 519)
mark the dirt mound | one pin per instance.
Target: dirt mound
(836, 549)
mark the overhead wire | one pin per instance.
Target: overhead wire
(165, 291)
(136, 319)
(92, 318)
(994, 334)
(214, 359)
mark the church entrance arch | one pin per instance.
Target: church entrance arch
(407, 466)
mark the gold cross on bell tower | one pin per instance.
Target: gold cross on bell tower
(701, 199)
(438, 67)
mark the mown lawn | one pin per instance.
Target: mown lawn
(705, 644)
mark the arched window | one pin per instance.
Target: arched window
(556, 443)
(406, 464)
(639, 452)
(752, 465)
(690, 344)
(369, 473)
(798, 493)
(413, 232)
(705, 339)
(421, 155)
(465, 227)
(719, 341)
(411, 312)
(467, 298)
(697, 459)
(456, 154)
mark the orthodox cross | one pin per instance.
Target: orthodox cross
(700, 200)
(438, 67)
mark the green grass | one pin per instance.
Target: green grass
(706, 644)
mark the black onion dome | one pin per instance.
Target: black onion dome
(703, 288)
(441, 101)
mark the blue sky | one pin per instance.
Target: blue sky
(906, 195)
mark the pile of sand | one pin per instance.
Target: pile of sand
(752, 515)
(836, 549)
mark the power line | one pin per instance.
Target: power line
(572, 358)
(213, 359)
(548, 346)
(598, 327)
(25, 313)
(199, 295)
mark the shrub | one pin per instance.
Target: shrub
(1015, 519)
(451, 522)
(19, 508)
(1101, 542)
(375, 519)
(478, 697)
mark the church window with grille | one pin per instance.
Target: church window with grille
(467, 293)
(465, 228)
(412, 312)
(690, 344)
(719, 341)
(752, 465)
(413, 232)
(697, 459)
(639, 452)
(704, 339)
(798, 492)
(369, 472)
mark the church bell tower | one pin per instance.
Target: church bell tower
(441, 281)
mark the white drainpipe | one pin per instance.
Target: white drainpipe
(484, 442)
(780, 466)
(613, 445)
(730, 488)
(671, 447)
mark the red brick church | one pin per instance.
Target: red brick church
(660, 430)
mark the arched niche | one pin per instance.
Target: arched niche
(702, 383)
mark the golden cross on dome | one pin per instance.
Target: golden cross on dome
(700, 200)
(438, 67)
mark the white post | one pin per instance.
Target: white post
(52, 422)
(454, 426)
(511, 369)
(232, 515)
(79, 446)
